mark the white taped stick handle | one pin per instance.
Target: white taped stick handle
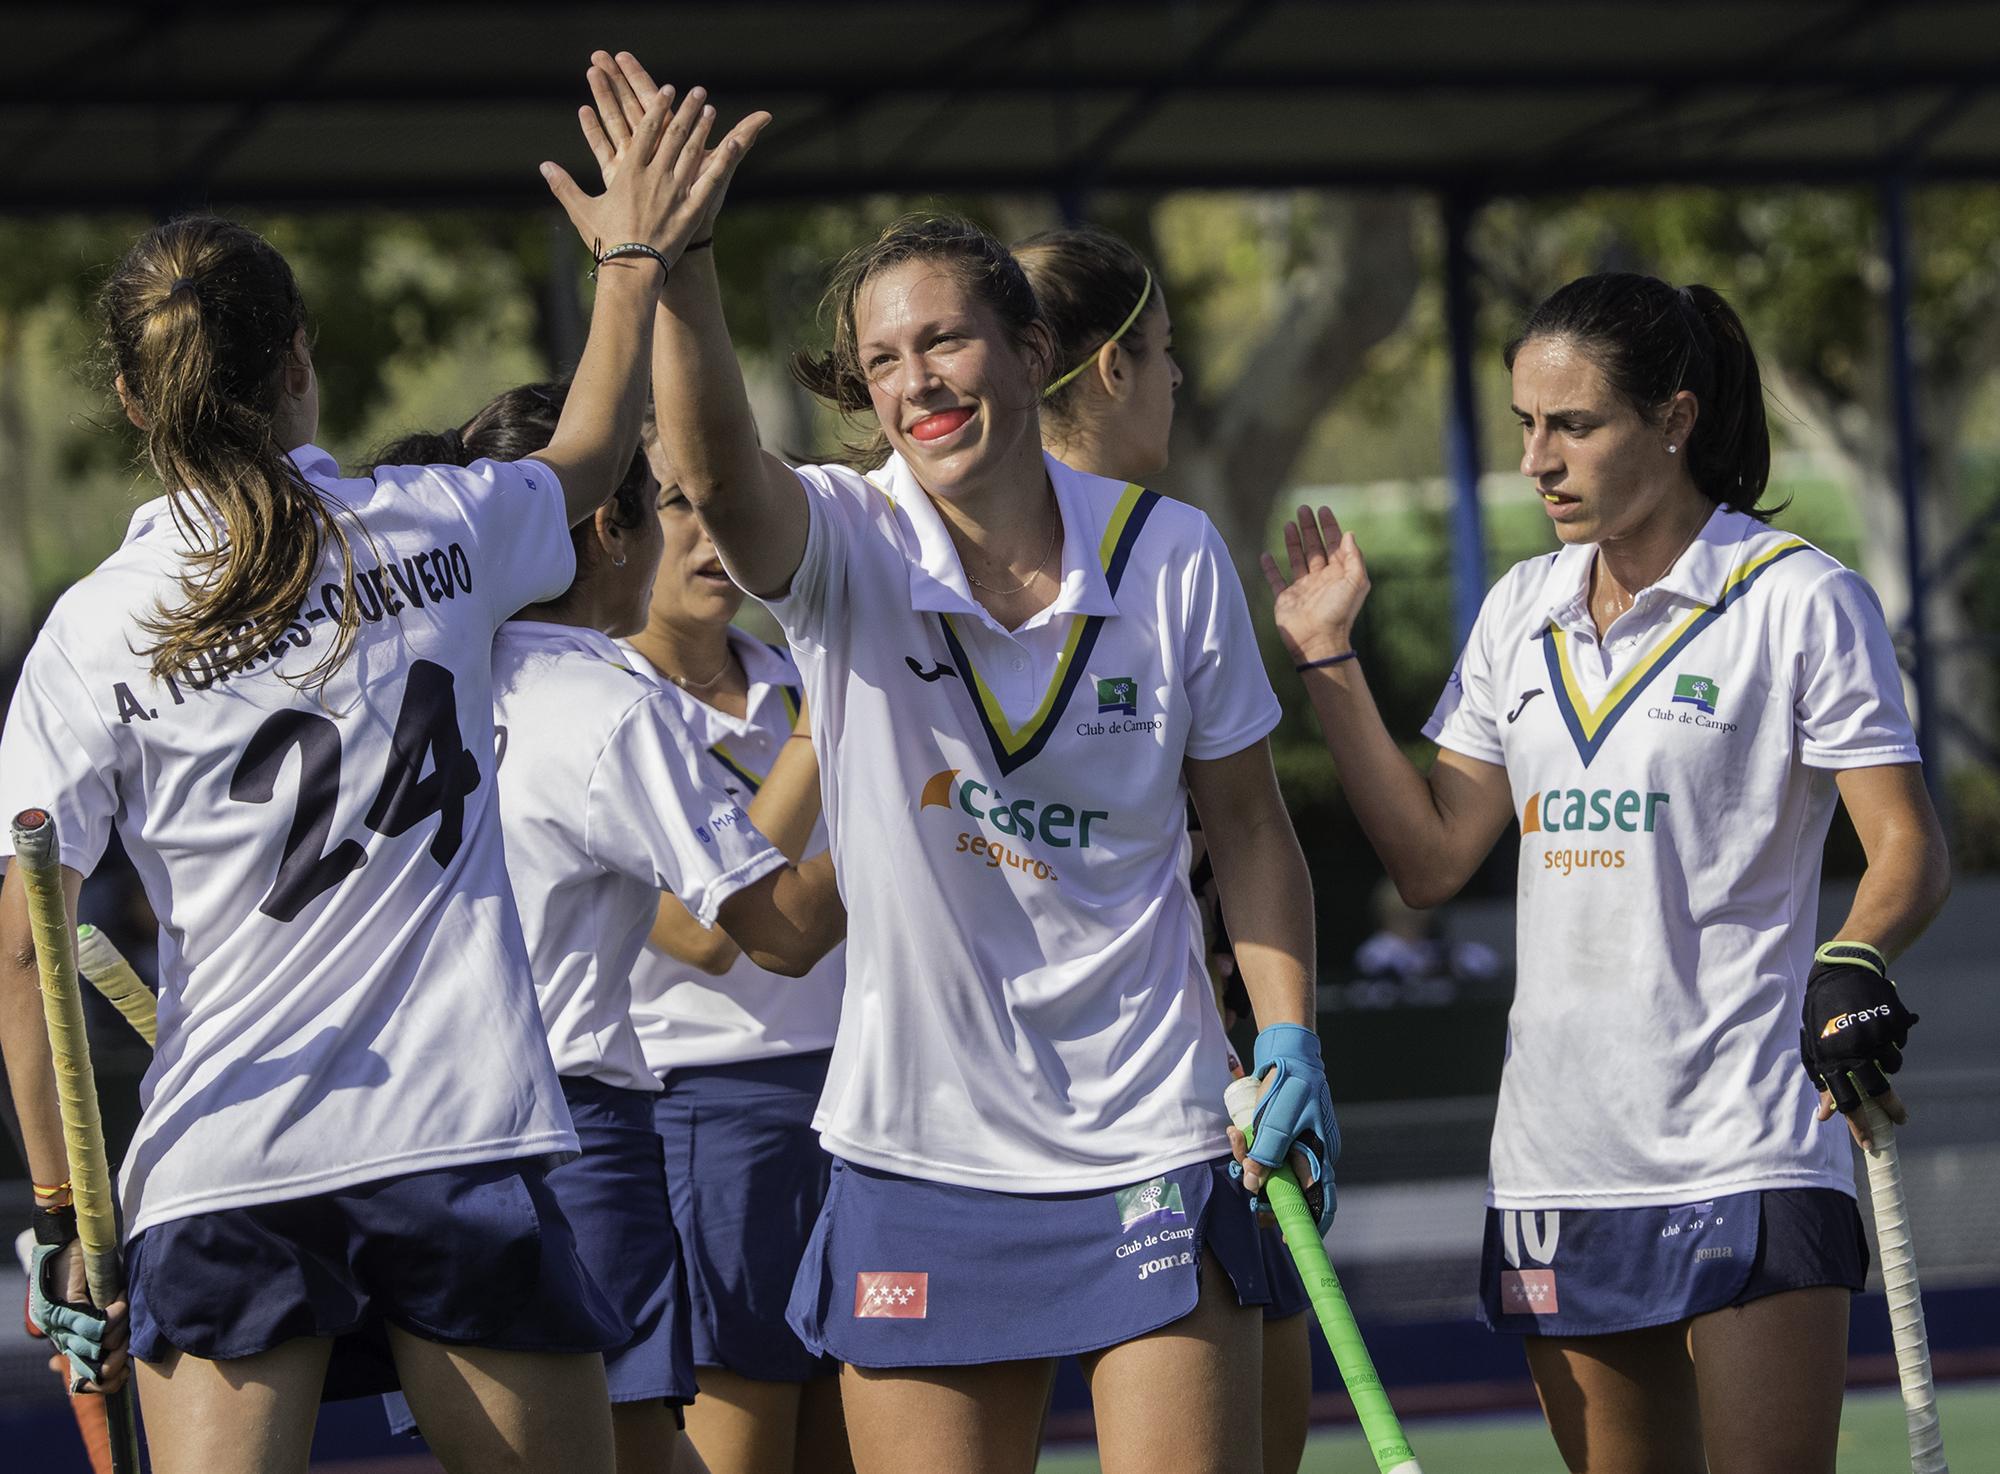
(1899, 1285)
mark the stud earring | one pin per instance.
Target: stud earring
(618, 563)
(1673, 450)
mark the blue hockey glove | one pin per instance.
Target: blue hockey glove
(77, 1331)
(1296, 1112)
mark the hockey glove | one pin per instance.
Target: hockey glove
(1296, 1111)
(1855, 1025)
(77, 1331)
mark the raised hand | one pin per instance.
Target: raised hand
(620, 86)
(1317, 607)
(670, 181)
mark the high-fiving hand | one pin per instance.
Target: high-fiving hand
(669, 183)
(621, 88)
(1316, 609)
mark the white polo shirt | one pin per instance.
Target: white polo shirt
(1026, 1006)
(344, 993)
(686, 1017)
(605, 803)
(1674, 787)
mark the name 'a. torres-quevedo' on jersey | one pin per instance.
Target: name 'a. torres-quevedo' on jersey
(383, 591)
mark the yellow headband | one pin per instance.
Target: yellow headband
(1124, 327)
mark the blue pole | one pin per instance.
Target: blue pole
(1468, 534)
(1909, 459)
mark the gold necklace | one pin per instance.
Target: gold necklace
(1055, 536)
(728, 660)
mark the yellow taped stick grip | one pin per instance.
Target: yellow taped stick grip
(39, 856)
(113, 976)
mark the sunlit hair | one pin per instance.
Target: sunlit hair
(1088, 282)
(1650, 341)
(982, 265)
(513, 426)
(200, 317)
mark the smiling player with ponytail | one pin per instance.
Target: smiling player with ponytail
(1670, 706)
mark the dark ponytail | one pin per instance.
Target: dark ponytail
(514, 426)
(200, 317)
(1651, 341)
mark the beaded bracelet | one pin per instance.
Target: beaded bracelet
(1304, 666)
(627, 248)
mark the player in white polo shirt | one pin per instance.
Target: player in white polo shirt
(604, 803)
(1669, 707)
(742, 1052)
(278, 691)
(1111, 412)
(1017, 673)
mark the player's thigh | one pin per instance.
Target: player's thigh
(972, 1420)
(1771, 1374)
(1620, 1404)
(822, 1446)
(646, 1440)
(251, 1414)
(1187, 1396)
(1287, 1392)
(495, 1412)
(743, 1426)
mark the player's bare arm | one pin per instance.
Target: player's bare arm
(1431, 830)
(654, 205)
(790, 919)
(1904, 885)
(784, 811)
(751, 503)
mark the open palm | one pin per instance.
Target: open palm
(1316, 607)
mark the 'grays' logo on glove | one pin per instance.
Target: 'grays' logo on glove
(1855, 1024)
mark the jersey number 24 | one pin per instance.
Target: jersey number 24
(427, 726)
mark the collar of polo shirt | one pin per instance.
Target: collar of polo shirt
(1698, 576)
(937, 579)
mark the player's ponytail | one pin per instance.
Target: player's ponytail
(1092, 289)
(1651, 341)
(982, 264)
(516, 425)
(200, 318)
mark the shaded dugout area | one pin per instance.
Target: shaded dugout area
(437, 103)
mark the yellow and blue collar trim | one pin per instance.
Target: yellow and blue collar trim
(741, 770)
(1013, 746)
(1590, 725)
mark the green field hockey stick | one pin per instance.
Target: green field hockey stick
(1350, 1353)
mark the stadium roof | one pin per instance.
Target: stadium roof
(429, 102)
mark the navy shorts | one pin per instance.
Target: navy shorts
(906, 1273)
(747, 1176)
(424, 1252)
(1288, 1291)
(1593, 1271)
(615, 1198)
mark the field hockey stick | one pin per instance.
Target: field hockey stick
(1350, 1353)
(37, 853)
(1899, 1287)
(113, 976)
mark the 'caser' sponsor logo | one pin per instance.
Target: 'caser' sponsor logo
(1059, 826)
(1056, 826)
(1607, 811)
